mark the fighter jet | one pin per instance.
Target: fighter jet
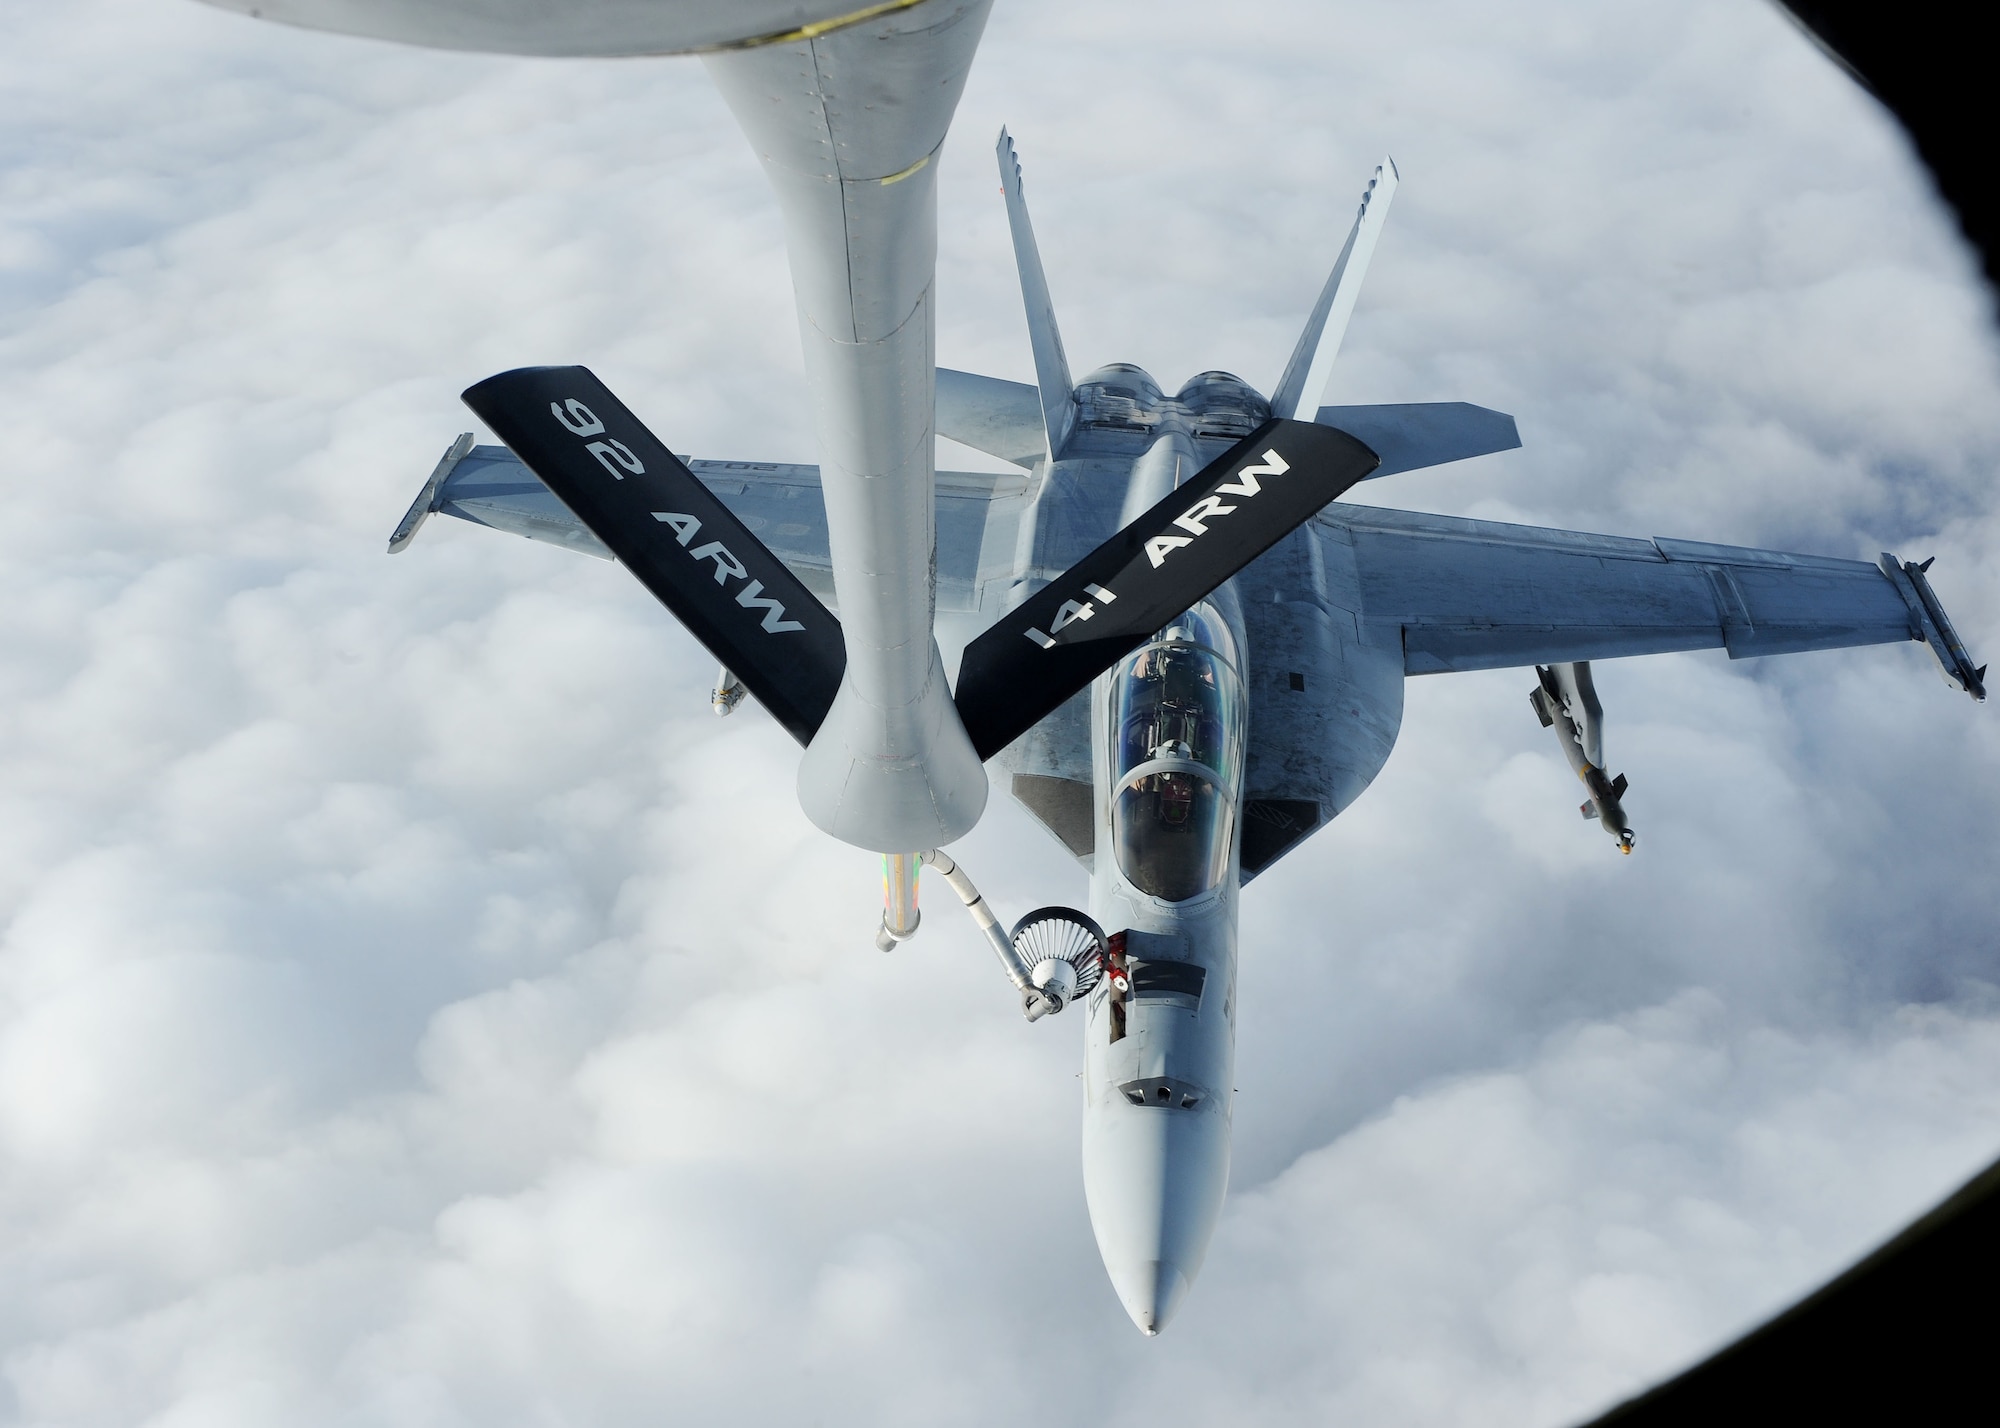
(1189, 654)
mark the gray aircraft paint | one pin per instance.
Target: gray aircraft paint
(1156, 1168)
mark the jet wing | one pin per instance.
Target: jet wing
(978, 515)
(1453, 594)
(1482, 595)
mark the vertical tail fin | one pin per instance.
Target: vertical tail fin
(1051, 367)
(1303, 387)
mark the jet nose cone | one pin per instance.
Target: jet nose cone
(1150, 1292)
(1155, 1180)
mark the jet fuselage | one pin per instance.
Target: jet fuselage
(1162, 752)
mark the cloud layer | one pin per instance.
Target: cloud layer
(415, 1008)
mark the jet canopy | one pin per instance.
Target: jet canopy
(1177, 710)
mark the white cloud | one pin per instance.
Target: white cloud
(416, 1008)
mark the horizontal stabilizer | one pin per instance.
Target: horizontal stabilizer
(1411, 435)
(1115, 598)
(1000, 418)
(668, 529)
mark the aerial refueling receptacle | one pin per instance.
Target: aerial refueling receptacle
(1566, 700)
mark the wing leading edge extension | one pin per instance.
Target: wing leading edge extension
(669, 530)
(1111, 601)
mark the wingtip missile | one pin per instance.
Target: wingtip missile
(1929, 623)
(427, 499)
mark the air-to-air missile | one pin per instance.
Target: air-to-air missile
(1566, 701)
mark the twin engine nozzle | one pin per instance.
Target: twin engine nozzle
(1053, 956)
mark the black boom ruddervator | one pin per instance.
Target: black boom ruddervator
(670, 531)
(761, 622)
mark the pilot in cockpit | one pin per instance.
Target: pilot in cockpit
(1178, 748)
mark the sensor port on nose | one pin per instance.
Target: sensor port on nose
(1163, 1093)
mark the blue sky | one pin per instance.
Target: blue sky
(416, 1008)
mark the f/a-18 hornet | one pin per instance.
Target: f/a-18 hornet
(1193, 658)
(1190, 651)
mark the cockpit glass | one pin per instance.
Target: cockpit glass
(1171, 831)
(1178, 711)
(1203, 625)
(1178, 701)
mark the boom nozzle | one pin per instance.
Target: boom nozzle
(900, 917)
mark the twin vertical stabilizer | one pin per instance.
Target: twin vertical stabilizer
(1301, 390)
(1051, 366)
